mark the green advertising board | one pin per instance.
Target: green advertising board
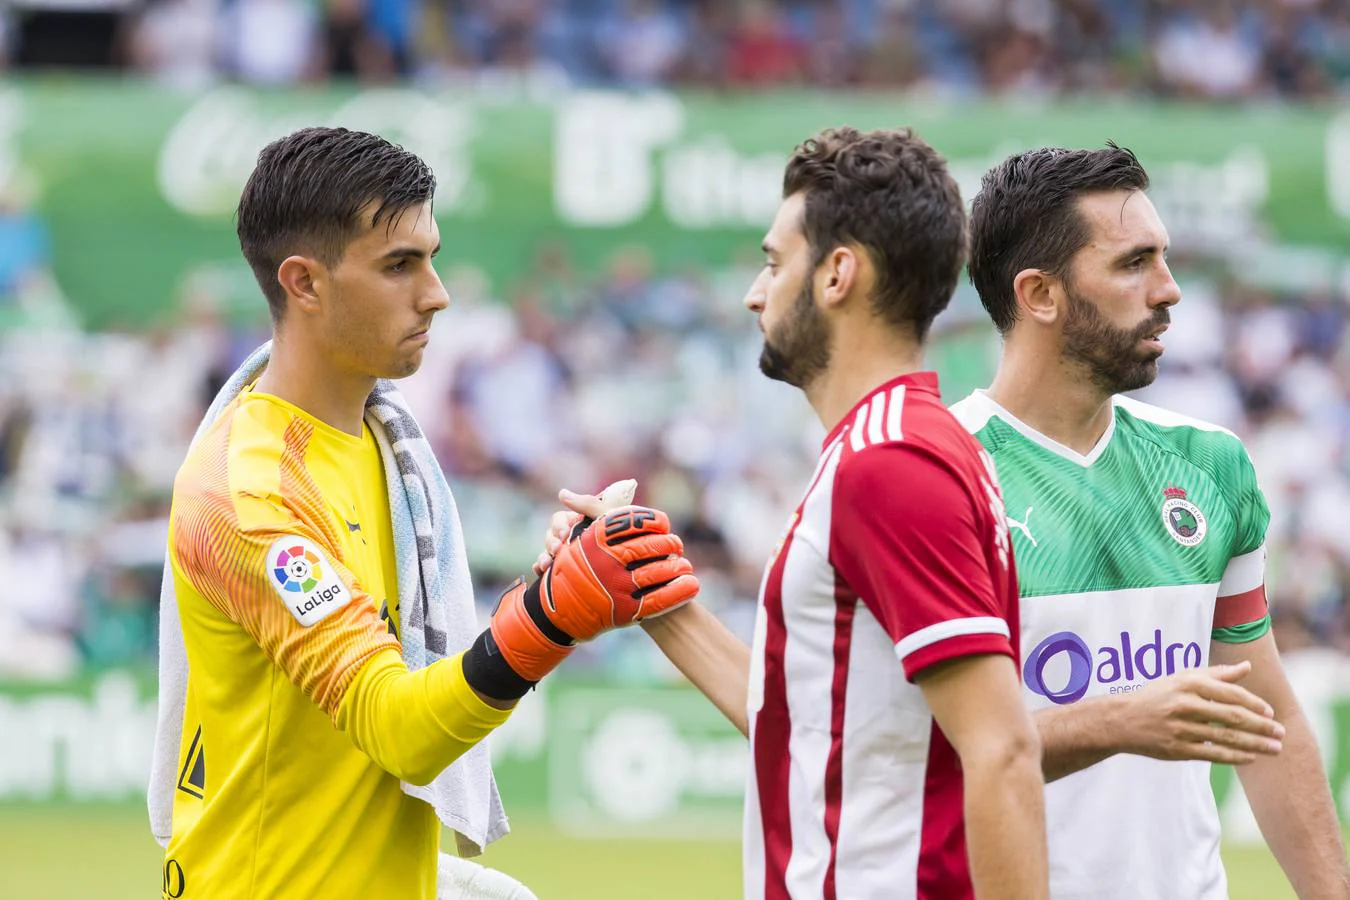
(658, 761)
(83, 741)
(137, 184)
(600, 759)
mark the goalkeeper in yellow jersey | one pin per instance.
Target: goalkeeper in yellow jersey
(301, 718)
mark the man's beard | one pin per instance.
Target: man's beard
(1112, 356)
(800, 349)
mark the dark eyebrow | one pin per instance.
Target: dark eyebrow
(1141, 250)
(409, 252)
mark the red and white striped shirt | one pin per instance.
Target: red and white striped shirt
(898, 558)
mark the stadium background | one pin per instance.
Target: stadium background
(607, 169)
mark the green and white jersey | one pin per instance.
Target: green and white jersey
(1129, 561)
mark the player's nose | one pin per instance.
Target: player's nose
(755, 297)
(437, 297)
(1169, 292)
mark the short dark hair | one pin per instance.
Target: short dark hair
(1026, 216)
(890, 193)
(308, 190)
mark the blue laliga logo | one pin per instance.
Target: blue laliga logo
(1122, 661)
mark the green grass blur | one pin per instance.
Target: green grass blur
(68, 853)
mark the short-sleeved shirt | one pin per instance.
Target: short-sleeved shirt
(1131, 559)
(284, 568)
(898, 558)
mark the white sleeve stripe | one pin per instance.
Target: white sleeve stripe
(949, 629)
(858, 439)
(893, 409)
(876, 420)
(1244, 573)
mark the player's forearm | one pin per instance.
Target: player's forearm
(1076, 736)
(1005, 822)
(709, 655)
(1292, 801)
(414, 724)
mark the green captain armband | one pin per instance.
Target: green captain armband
(1242, 634)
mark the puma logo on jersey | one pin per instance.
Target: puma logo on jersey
(1024, 526)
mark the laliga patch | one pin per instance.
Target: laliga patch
(305, 580)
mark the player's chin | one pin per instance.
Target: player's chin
(408, 362)
(1139, 376)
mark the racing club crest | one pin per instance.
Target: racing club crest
(1182, 518)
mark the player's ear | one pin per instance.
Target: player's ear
(838, 275)
(1036, 298)
(300, 278)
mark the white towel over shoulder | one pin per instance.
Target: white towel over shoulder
(435, 601)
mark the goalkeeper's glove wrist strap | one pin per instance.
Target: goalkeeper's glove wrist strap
(488, 672)
(534, 605)
(528, 642)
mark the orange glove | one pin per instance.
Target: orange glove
(611, 572)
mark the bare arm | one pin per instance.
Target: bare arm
(977, 703)
(711, 657)
(1200, 714)
(1076, 736)
(1289, 793)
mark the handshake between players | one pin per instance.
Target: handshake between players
(619, 568)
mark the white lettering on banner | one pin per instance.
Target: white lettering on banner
(1207, 205)
(707, 184)
(650, 761)
(638, 766)
(210, 151)
(1212, 205)
(440, 132)
(619, 761)
(969, 171)
(11, 122)
(59, 745)
(635, 765)
(603, 147)
(1338, 164)
(616, 155)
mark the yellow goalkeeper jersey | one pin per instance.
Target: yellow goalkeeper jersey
(301, 718)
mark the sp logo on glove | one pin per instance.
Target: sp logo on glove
(616, 571)
(629, 522)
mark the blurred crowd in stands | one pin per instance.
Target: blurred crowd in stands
(1216, 49)
(573, 381)
(576, 379)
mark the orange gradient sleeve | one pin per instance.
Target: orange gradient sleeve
(253, 538)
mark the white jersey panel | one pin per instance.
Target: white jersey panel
(808, 664)
(1109, 822)
(888, 732)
